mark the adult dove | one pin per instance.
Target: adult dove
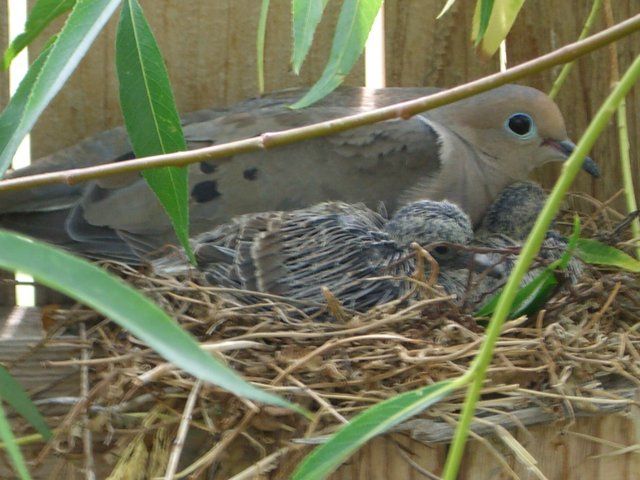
(466, 153)
(363, 258)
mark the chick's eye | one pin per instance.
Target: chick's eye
(441, 250)
(521, 124)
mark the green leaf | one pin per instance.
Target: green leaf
(10, 117)
(83, 25)
(306, 17)
(529, 298)
(354, 23)
(41, 15)
(124, 305)
(13, 393)
(481, 17)
(535, 294)
(502, 16)
(11, 446)
(373, 421)
(262, 32)
(150, 114)
(597, 253)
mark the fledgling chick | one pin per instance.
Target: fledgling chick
(506, 225)
(354, 252)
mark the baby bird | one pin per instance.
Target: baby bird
(506, 225)
(356, 253)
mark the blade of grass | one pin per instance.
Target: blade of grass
(127, 307)
(41, 15)
(13, 393)
(373, 421)
(150, 114)
(570, 169)
(10, 445)
(306, 16)
(354, 24)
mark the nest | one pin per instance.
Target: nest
(578, 356)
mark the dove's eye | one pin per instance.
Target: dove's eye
(521, 125)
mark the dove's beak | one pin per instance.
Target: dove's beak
(566, 148)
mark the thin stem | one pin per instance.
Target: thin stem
(623, 134)
(262, 30)
(529, 250)
(566, 69)
(401, 110)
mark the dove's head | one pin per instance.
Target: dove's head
(517, 129)
(441, 227)
(514, 211)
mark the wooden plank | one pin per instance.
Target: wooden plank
(424, 51)
(7, 287)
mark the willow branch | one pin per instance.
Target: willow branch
(401, 110)
(623, 135)
(566, 69)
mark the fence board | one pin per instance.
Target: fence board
(7, 288)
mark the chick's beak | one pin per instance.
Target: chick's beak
(479, 263)
(566, 148)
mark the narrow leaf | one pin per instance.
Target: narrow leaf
(83, 25)
(13, 393)
(373, 421)
(124, 305)
(14, 112)
(596, 253)
(41, 15)
(11, 446)
(262, 32)
(446, 8)
(527, 296)
(481, 17)
(150, 114)
(306, 17)
(503, 16)
(354, 24)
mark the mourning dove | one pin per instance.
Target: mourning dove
(362, 258)
(466, 152)
(505, 227)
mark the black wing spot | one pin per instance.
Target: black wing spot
(126, 156)
(250, 173)
(205, 191)
(208, 168)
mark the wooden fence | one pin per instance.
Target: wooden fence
(209, 47)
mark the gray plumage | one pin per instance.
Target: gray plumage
(360, 256)
(505, 227)
(465, 152)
